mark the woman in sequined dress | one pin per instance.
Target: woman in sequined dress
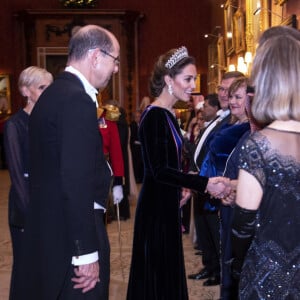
(266, 224)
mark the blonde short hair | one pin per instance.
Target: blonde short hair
(32, 76)
(275, 76)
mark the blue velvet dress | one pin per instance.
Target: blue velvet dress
(157, 268)
(219, 148)
(229, 286)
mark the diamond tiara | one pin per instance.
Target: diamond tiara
(177, 56)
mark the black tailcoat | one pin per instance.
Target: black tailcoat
(67, 173)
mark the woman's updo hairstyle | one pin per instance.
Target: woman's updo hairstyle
(170, 63)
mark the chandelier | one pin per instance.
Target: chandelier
(79, 3)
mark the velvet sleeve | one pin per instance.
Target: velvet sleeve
(161, 155)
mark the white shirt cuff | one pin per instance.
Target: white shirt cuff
(98, 206)
(85, 259)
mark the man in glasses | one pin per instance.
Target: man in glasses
(66, 252)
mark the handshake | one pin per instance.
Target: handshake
(219, 187)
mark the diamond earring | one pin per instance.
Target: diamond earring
(170, 89)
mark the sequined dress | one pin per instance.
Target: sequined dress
(272, 266)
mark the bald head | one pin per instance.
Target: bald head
(95, 53)
(90, 37)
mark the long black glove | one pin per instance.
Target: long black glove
(242, 232)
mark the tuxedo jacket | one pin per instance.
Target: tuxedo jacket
(199, 159)
(67, 174)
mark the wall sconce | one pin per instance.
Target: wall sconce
(229, 34)
(231, 68)
(223, 6)
(215, 33)
(248, 57)
(244, 63)
(223, 68)
(259, 9)
(241, 65)
(212, 35)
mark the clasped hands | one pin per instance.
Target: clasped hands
(219, 187)
(87, 276)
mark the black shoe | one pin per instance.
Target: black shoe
(204, 273)
(200, 252)
(214, 280)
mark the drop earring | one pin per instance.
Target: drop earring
(170, 89)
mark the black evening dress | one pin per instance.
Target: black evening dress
(157, 268)
(272, 266)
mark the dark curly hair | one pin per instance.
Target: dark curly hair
(157, 82)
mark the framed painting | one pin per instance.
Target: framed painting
(290, 21)
(5, 99)
(228, 20)
(239, 32)
(216, 63)
(221, 51)
(281, 2)
(54, 59)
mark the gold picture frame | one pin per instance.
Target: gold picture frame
(221, 51)
(281, 2)
(5, 98)
(216, 63)
(213, 67)
(228, 20)
(290, 21)
(239, 31)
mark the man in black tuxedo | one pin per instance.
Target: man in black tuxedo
(208, 224)
(66, 253)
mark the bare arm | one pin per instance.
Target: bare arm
(249, 195)
(249, 191)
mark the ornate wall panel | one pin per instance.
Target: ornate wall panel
(47, 33)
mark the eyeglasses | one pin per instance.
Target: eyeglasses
(221, 89)
(116, 59)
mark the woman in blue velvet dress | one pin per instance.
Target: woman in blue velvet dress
(240, 107)
(219, 147)
(221, 144)
(157, 268)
